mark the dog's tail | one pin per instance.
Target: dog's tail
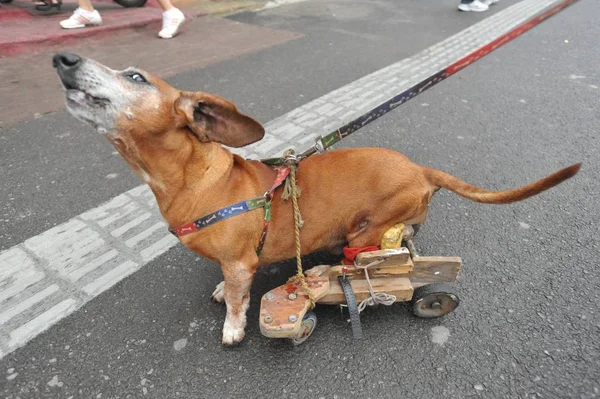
(449, 182)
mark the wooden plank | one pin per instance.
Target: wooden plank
(390, 257)
(276, 307)
(404, 270)
(435, 269)
(320, 270)
(401, 287)
(374, 271)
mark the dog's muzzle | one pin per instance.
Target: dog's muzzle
(66, 65)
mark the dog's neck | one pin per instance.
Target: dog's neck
(175, 164)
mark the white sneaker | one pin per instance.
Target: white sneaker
(489, 2)
(82, 18)
(172, 20)
(476, 6)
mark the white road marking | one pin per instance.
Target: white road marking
(111, 278)
(128, 226)
(17, 274)
(27, 303)
(133, 241)
(99, 261)
(158, 247)
(93, 251)
(39, 324)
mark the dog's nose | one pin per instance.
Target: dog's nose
(66, 60)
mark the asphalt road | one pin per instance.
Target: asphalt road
(528, 324)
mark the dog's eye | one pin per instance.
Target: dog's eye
(137, 77)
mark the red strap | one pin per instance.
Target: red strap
(351, 252)
(282, 173)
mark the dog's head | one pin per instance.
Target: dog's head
(135, 104)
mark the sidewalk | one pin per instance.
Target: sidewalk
(24, 29)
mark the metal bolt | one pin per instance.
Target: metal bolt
(268, 319)
(292, 296)
(269, 296)
(293, 318)
(412, 249)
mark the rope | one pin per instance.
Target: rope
(376, 297)
(291, 190)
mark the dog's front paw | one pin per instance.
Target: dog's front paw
(218, 294)
(232, 335)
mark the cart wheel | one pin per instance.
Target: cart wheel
(309, 322)
(434, 300)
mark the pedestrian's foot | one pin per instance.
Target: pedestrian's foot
(489, 2)
(475, 5)
(48, 5)
(172, 21)
(82, 18)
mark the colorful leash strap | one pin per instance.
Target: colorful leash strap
(324, 142)
(263, 201)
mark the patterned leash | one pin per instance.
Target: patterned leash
(324, 142)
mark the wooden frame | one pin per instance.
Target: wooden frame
(283, 308)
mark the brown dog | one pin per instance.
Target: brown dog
(173, 140)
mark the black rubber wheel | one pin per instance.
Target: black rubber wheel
(434, 300)
(131, 3)
(309, 323)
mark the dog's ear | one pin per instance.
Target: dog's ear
(213, 118)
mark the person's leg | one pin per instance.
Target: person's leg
(84, 15)
(172, 19)
(86, 5)
(166, 5)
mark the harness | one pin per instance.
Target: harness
(263, 202)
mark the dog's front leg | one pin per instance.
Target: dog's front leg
(238, 279)
(218, 294)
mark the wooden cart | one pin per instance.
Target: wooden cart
(399, 271)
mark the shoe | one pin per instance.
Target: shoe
(48, 5)
(475, 5)
(489, 2)
(171, 23)
(82, 18)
